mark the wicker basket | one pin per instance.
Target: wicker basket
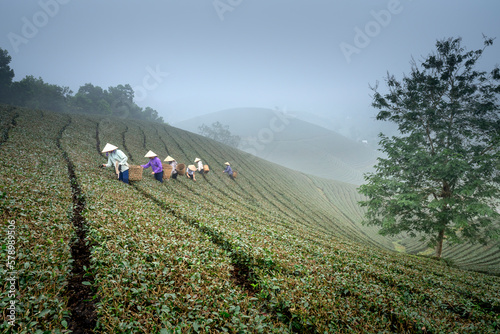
(167, 171)
(181, 169)
(135, 173)
(235, 173)
(206, 169)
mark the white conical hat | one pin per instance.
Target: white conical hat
(192, 167)
(150, 154)
(109, 148)
(197, 159)
(169, 158)
(227, 163)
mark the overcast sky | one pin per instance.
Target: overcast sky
(189, 57)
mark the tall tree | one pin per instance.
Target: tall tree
(91, 99)
(121, 100)
(150, 114)
(6, 76)
(440, 178)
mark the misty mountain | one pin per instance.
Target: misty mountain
(283, 138)
(360, 126)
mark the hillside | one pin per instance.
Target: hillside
(276, 250)
(291, 142)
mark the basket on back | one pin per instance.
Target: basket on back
(167, 171)
(135, 173)
(206, 169)
(235, 173)
(181, 169)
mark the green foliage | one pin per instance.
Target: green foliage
(440, 178)
(39, 210)
(116, 101)
(36, 94)
(6, 75)
(92, 100)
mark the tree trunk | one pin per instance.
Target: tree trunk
(446, 193)
(439, 246)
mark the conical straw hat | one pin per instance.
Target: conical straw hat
(109, 148)
(227, 163)
(150, 154)
(192, 167)
(197, 159)
(169, 158)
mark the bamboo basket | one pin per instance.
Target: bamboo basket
(235, 173)
(167, 171)
(181, 169)
(206, 169)
(135, 173)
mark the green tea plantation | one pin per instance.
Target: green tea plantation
(273, 251)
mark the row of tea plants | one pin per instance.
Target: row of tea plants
(272, 251)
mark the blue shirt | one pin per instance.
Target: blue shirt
(228, 170)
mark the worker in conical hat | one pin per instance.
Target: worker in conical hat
(228, 170)
(155, 164)
(190, 172)
(108, 148)
(171, 161)
(118, 159)
(200, 164)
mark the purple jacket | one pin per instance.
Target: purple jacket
(228, 170)
(155, 164)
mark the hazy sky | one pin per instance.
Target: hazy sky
(189, 57)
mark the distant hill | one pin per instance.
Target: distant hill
(288, 141)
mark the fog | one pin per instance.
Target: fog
(188, 58)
